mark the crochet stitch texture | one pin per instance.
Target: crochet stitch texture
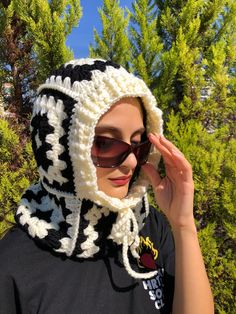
(65, 211)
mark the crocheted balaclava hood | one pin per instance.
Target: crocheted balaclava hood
(65, 211)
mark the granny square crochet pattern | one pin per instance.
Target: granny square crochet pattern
(65, 211)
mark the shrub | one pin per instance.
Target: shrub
(17, 168)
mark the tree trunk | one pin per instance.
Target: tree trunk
(17, 103)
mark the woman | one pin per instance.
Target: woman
(87, 241)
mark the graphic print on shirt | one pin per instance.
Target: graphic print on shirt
(154, 286)
(148, 254)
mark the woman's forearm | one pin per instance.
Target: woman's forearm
(192, 289)
(174, 195)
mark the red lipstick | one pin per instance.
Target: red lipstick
(121, 180)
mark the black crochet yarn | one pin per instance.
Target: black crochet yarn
(82, 72)
(40, 125)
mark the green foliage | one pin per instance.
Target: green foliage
(146, 44)
(212, 156)
(33, 42)
(213, 160)
(49, 23)
(214, 168)
(17, 168)
(114, 43)
(198, 60)
(8, 142)
(221, 268)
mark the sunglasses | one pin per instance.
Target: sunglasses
(110, 152)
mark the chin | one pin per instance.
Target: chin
(119, 192)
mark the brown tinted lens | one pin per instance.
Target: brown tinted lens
(141, 152)
(109, 152)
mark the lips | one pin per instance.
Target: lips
(121, 180)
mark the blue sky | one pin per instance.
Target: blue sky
(82, 36)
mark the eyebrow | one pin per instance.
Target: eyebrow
(116, 131)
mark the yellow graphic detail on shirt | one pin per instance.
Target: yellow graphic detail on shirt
(146, 245)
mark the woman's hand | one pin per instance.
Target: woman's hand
(173, 193)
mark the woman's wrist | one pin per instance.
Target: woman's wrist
(184, 225)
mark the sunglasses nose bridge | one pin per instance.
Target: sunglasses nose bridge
(128, 160)
(132, 150)
(129, 150)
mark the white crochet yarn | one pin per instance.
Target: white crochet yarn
(93, 92)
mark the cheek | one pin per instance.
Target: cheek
(102, 173)
(105, 185)
(102, 178)
(103, 182)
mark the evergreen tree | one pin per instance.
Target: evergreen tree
(49, 23)
(146, 43)
(113, 44)
(32, 36)
(16, 62)
(196, 89)
(199, 57)
(17, 167)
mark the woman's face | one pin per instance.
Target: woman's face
(123, 121)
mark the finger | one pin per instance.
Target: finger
(163, 143)
(152, 174)
(166, 154)
(183, 166)
(173, 157)
(168, 145)
(155, 140)
(171, 150)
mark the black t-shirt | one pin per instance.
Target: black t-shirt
(34, 280)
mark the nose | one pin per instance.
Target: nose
(130, 162)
